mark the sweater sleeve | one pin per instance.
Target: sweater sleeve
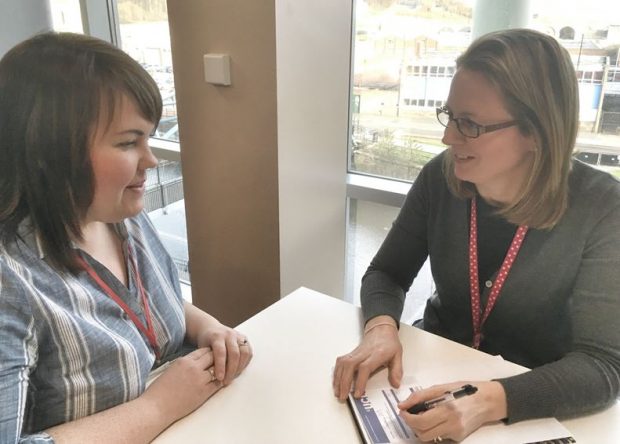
(401, 255)
(587, 378)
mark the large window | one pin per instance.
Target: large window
(144, 34)
(146, 37)
(369, 223)
(403, 62)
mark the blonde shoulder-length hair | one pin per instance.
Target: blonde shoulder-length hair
(537, 80)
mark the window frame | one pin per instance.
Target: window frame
(100, 19)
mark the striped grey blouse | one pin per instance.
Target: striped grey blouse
(66, 349)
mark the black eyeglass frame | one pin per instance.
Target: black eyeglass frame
(480, 129)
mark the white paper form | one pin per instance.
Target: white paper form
(377, 417)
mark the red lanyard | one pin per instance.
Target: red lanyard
(147, 330)
(474, 283)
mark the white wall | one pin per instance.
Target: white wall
(313, 39)
(20, 19)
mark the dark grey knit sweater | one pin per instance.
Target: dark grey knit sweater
(558, 312)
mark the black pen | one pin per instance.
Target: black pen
(446, 397)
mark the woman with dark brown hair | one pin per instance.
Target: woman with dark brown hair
(524, 247)
(90, 300)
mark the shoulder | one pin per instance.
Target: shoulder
(431, 184)
(19, 257)
(585, 177)
(434, 169)
(15, 274)
(429, 194)
(432, 174)
(594, 204)
(593, 190)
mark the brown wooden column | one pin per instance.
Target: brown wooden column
(229, 153)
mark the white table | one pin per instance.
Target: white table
(285, 395)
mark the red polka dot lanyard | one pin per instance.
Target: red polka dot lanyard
(474, 283)
(147, 329)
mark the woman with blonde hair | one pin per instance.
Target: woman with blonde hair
(524, 247)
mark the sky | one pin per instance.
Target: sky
(586, 13)
(607, 11)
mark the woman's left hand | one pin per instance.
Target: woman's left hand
(457, 419)
(232, 351)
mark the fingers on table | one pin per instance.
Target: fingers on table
(395, 369)
(212, 378)
(213, 384)
(436, 434)
(202, 356)
(344, 372)
(198, 353)
(431, 426)
(220, 353)
(337, 376)
(232, 355)
(205, 363)
(198, 365)
(364, 369)
(246, 353)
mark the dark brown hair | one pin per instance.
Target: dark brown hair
(537, 80)
(53, 88)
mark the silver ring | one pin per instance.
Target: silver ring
(212, 373)
(438, 439)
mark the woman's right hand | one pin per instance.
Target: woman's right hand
(184, 386)
(380, 347)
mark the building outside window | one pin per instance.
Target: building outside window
(394, 130)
